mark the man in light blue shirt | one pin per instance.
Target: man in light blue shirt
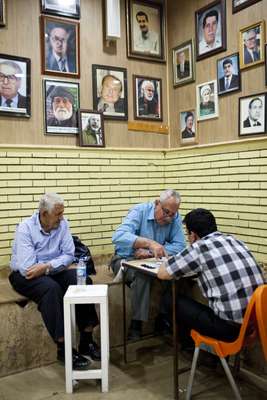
(152, 229)
(42, 252)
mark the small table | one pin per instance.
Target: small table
(86, 294)
(140, 266)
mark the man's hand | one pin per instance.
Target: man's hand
(36, 270)
(163, 273)
(142, 253)
(157, 250)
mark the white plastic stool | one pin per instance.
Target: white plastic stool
(87, 294)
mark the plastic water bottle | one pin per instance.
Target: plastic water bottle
(81, 272)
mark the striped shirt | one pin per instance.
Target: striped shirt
(227, 273)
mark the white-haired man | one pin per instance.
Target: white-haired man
(10, 83)
(42, 252)
(63, 107)
(148, 101)
(152, 229)
(251, 50)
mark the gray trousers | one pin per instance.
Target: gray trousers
(140, 285)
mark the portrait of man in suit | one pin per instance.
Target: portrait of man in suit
(188, 132)
(230, 80)
(251, 49)
(60, 48)
(255, 107)
(183, 65)
(10, 83)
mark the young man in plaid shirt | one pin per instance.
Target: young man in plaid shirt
(227, 275)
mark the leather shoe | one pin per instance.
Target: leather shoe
(79, 362)
(91, 350)
(135, 330)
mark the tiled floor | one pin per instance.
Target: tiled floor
(147, 376)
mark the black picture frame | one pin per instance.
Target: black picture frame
(146, 30)
(2, 12)
(186, 52)
(145, 108)
(228, 74)
(252, 115)
(110, 91)
(15, 99)
(243, 4)
(210, 21)
(61, 8)
(60, 40)
(91, 128)
(55, 93)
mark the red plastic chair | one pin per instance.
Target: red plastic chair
(254, 324)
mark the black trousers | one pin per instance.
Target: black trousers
(48, 292)
(193, 315)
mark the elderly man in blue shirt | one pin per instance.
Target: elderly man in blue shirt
(152, 229)
(42, 252)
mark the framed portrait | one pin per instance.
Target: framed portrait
(188, 133)
(147, 98)
(70, 8)
(91, 128)
(238, 5)
(252, 114)
(228, 74)
(2, 12)
(210, 24)
(183, 61)
(145, 21)
(207, 100)
(60, 49)
(15, 86)
(251, 45)
(110, 91)
(61, 103)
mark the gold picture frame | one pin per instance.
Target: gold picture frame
(251, 45)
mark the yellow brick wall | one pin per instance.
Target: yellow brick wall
(99, 186)
(231, 181)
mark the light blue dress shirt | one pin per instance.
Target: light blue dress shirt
(140, 221)
(32, 245)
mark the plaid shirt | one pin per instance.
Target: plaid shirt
(227, 273)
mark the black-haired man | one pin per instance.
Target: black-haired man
(145, 39)
(229, 81)
(227, 275)
(210, 40)
(188, 132)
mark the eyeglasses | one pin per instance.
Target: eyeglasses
(9, 78)
(167, 213)
(58, 39)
